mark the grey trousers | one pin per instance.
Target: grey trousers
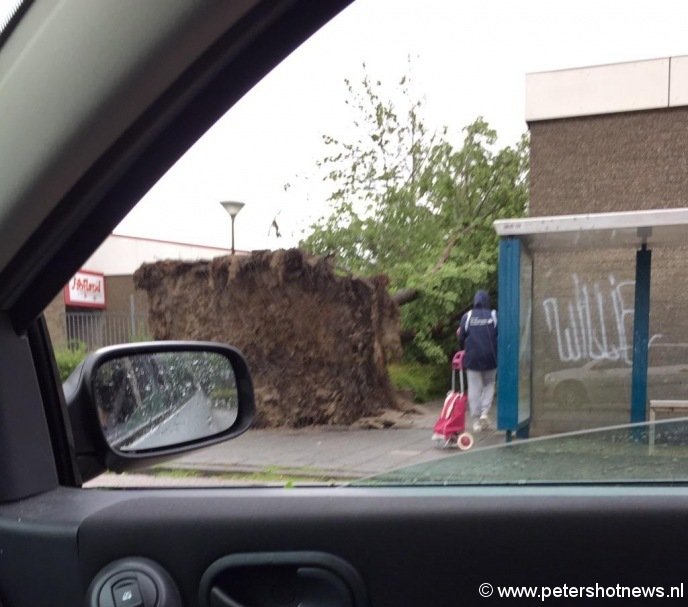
(481, 389)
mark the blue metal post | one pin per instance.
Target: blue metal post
(509, 333)
(641, 334)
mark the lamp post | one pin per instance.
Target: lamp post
(233, 208)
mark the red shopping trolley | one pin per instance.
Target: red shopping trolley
(450, 428)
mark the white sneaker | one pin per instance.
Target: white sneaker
(484, 422)
(477, 426)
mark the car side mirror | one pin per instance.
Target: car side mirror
(135, 404)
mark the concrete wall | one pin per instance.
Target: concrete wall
(120, 255)
(607, 89)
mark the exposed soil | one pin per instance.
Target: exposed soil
(317, 342)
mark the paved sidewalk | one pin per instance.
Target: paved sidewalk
(320, 454)
(337, 453)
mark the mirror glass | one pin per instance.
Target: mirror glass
(152, 401)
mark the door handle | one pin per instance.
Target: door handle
(307, 579)
(324, 588)
(321, 588)
(218, 598)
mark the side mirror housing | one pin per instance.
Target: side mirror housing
(137, 404)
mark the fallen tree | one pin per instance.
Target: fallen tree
(317, 343)
(418, 206)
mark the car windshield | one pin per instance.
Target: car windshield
(502, 180)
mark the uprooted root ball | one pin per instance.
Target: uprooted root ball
(317, 343)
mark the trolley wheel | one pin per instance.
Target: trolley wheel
(465, 441)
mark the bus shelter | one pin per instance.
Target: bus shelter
(579, 329)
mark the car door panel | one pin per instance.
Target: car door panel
(24, 436)
(410, 546)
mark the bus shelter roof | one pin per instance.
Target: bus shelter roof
(627, 229)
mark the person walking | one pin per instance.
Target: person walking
(477, 335)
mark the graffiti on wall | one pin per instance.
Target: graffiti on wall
(595, 323)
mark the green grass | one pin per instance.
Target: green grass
(270, 474)
(68, 358)
(426, 381)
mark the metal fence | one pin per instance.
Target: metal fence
(95, 330)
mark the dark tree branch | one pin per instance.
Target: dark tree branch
(404, 296)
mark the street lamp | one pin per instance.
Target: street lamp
(233, 208)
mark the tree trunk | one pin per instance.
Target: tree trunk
(404, 296)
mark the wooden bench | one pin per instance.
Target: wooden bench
(663, 406)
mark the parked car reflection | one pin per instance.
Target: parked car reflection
(609, 381)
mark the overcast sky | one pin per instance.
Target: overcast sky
(468, 59)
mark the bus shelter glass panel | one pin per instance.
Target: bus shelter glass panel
(667, 373)
(525, 337)
(582, 350)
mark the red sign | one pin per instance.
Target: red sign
(86, 290)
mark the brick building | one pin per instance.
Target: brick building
(100, 306)
(603, 139)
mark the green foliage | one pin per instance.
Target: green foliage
(426, 381)
(410, 204)
(140, 337)
(68, 358)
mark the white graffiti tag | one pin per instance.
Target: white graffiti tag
(597, 317)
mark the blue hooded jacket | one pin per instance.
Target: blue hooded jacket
(477, 334)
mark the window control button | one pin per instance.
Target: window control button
(127, 594)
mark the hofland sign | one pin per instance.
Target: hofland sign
(86, 289)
